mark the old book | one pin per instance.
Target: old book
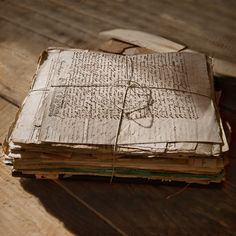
(150, 115)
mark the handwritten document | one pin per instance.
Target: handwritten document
(99, 98)
(84, 97)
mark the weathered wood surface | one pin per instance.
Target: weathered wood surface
(8, 112)
(31, 207)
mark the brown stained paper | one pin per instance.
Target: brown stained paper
(166, 98)
(103, 112)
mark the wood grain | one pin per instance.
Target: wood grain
(8, 112)
(49, 211)
(19, 54)
(44, 208)
(191, 24)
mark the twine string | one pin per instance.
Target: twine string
(149, 102)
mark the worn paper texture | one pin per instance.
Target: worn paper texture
(99, 98)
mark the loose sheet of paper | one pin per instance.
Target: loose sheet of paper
(99, 98)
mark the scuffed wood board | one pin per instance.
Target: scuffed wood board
(34, 207)
(7, 116)
(66, 15)
(18, 59)
(33, 21)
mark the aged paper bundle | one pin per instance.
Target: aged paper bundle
(150, 115)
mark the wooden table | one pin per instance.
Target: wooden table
(68, 207)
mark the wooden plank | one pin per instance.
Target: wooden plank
(7, 116)
(76, 7)
(184, 16)
(160, 213)
(33, 207)
(209, 10)
(172, 22)
(19, 54)
(96, 10)
(21, 213)
(64, 15)
(218, 33)
(179, 21)
(43, 25)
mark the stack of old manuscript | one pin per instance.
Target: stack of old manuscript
(144, 116)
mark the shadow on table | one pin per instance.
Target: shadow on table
(145, 208)
(137, 209)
